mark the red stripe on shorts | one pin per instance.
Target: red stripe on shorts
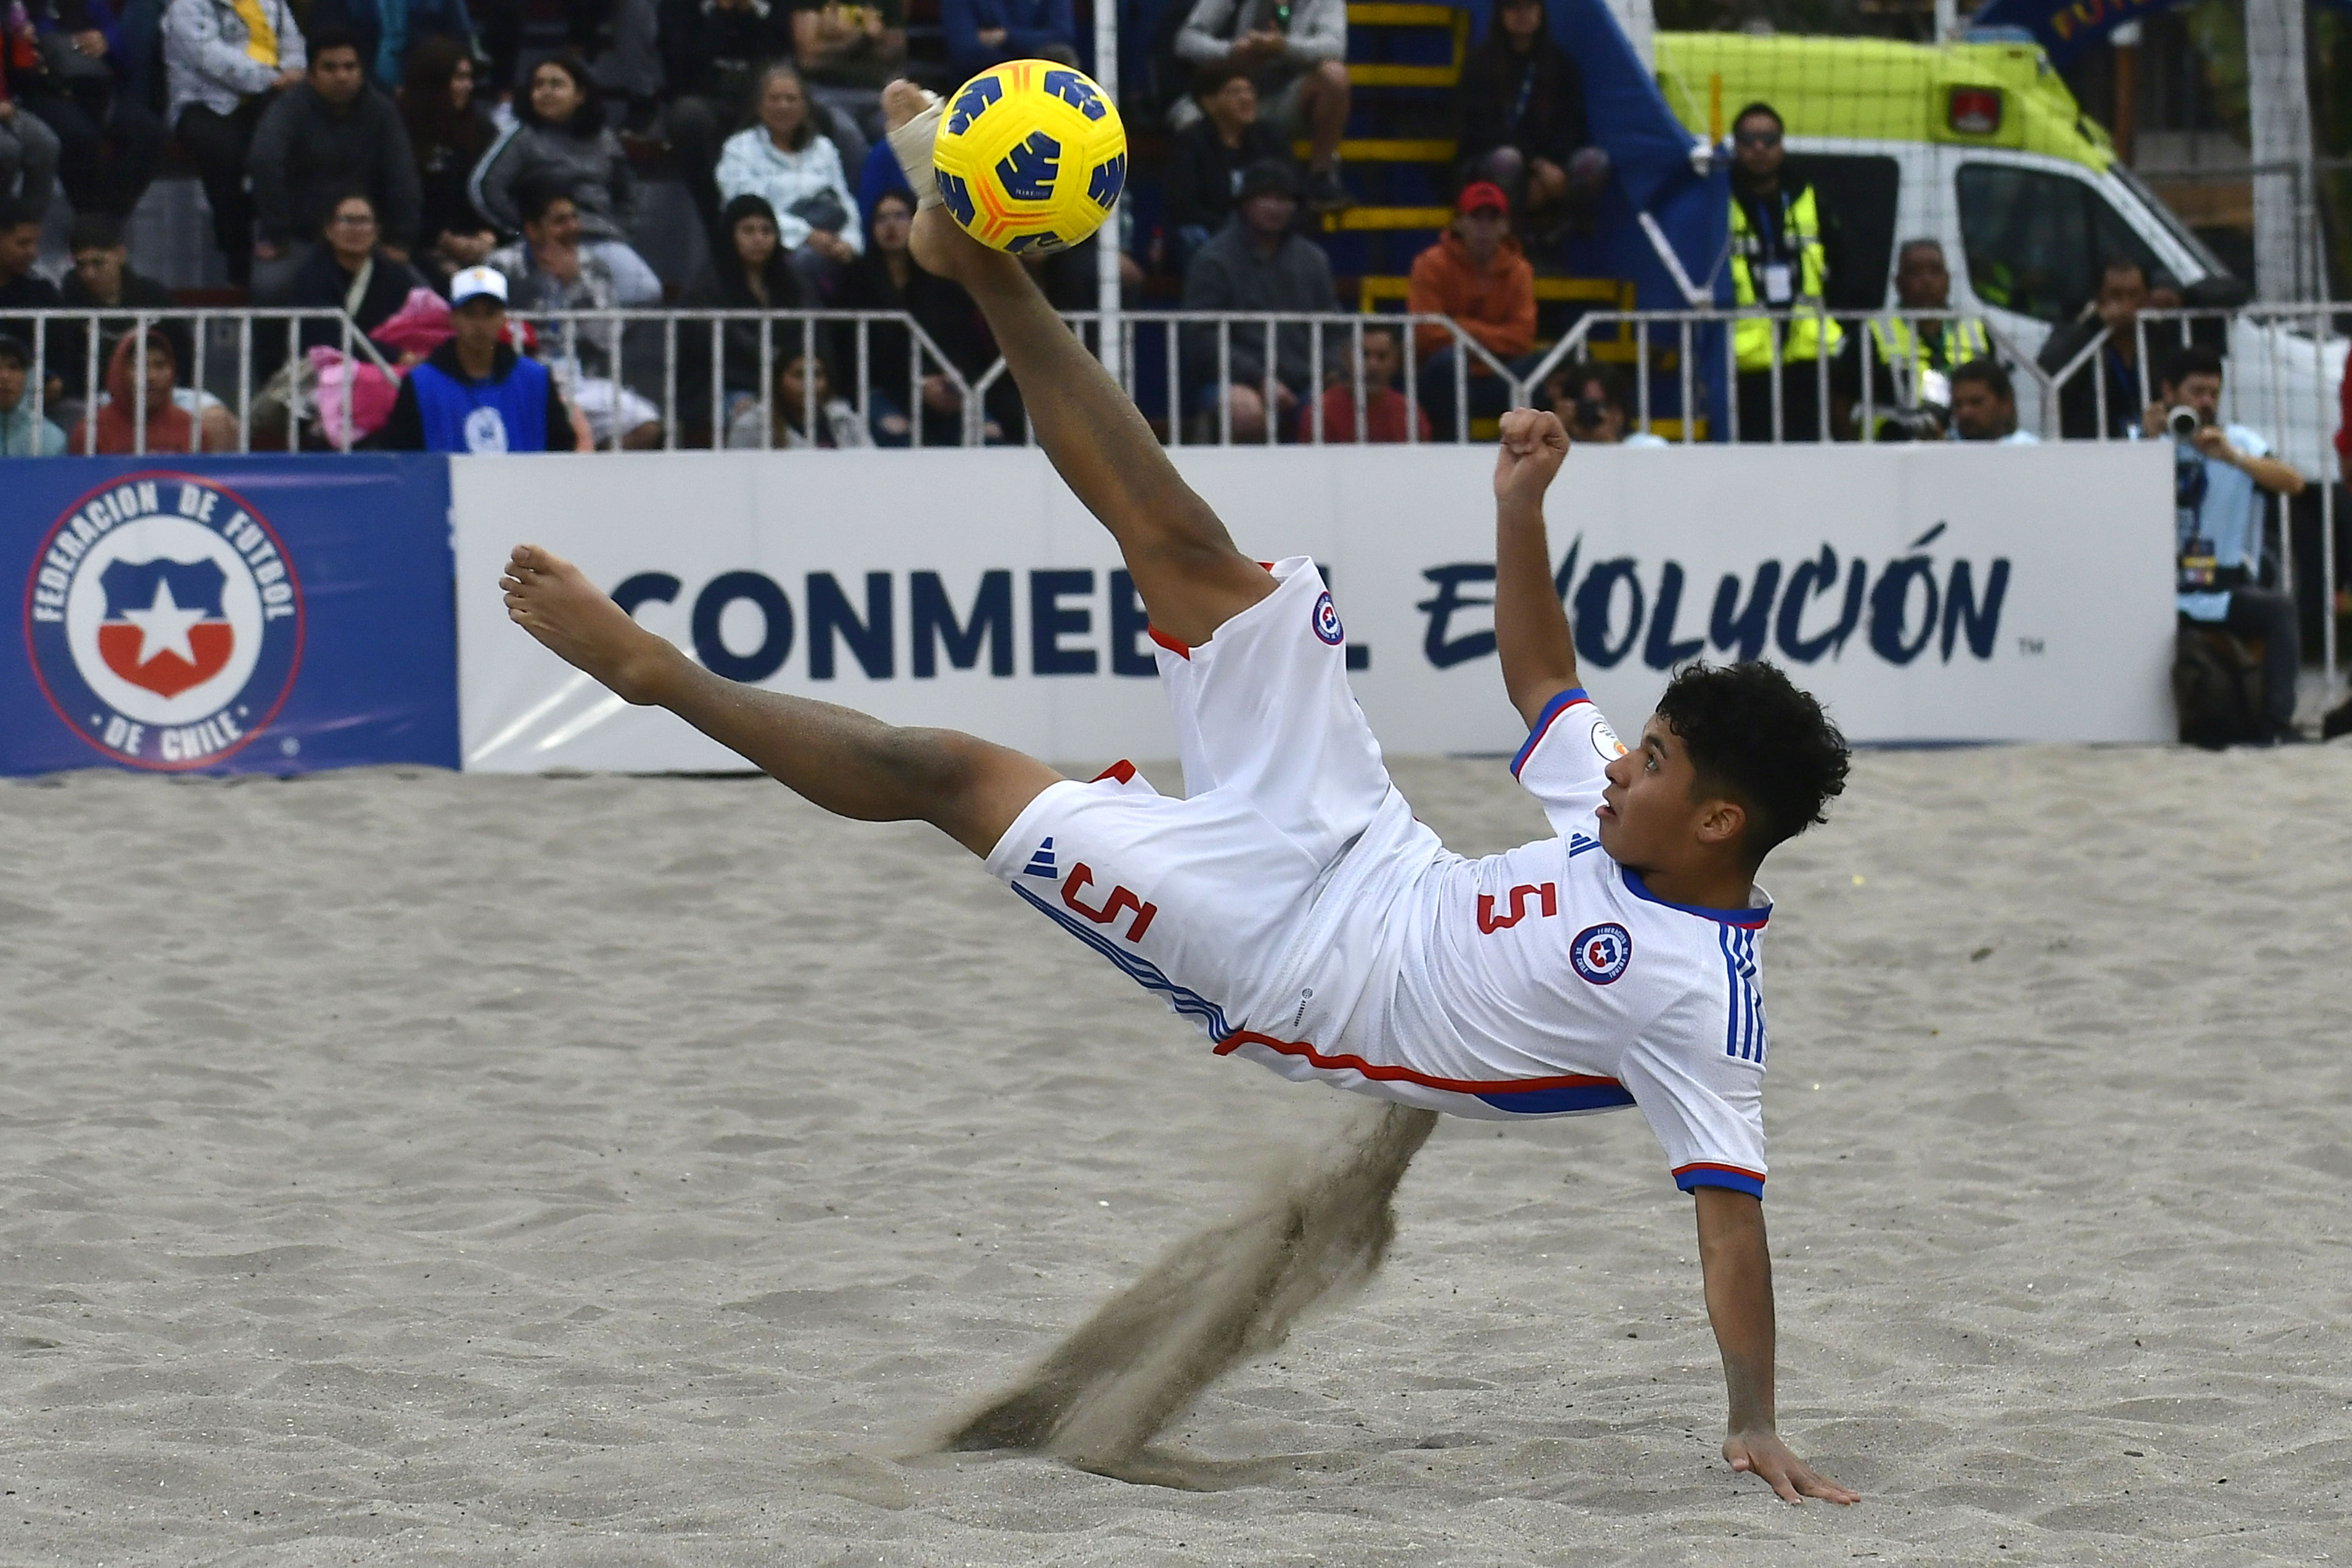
(1384, 1073)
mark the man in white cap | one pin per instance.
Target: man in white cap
(476, 394)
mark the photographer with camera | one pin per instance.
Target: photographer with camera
(1591, 401)
(2218, 473)
(1912, 360)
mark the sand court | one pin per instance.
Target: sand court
(406, 1167)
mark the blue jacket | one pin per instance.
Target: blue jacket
(1029, 25)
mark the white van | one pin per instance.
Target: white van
(1981, 147)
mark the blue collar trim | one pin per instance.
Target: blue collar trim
(1749, 919)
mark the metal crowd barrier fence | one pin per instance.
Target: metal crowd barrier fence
(231, 358)
(1183, 363)
(676, 379)
(2282, 376)
(706, 360)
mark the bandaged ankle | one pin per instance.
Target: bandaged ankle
(912, 144)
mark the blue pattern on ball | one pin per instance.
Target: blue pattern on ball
(1109, 179)
(955, 197)
(1028, 172)
(1023, 244)
(1078, 92)
(972, 102)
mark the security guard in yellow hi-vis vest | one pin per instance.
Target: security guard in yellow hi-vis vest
(1912, 356)
(1778, 261)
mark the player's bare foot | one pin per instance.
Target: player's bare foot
(943, 249)
(553, 601)
(902, 101)
(911, 116)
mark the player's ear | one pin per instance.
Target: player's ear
(1721, 821)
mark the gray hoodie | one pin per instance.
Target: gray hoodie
(593, 170)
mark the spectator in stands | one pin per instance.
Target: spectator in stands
(885, 278)
(448, 133)
(174, 425)
(351, 271)
(782, 159)
(330, 134)
(558, 139)
(68, 73)
(498, 33)
(1591, 401)
(390, 31)
(1257, 262)
(750, 274)
(1387, 415)
(1524, 127)
(1206, 159)
(475, 392)
(2124, 293)
(2218, 477)
(1779, 260)
(557, 267)
(711, 54)
(1984, 405)
(846, 52)
(631, 69)
(226, 65)
(21, 435)
(878, 177)
(1911, 359)
(20, 248)
(22, 288)
(802, 384)
(102, 278)
(984, 33)
(1296, 57)
(1475, 274)
(28, 149)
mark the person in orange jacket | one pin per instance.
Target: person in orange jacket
(1476, 275)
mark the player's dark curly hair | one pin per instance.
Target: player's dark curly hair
(1757, 738)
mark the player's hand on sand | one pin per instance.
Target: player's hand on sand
(1764, 1455)
(553, 601)
(1533, 446)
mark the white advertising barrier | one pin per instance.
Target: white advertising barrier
(1926, 593)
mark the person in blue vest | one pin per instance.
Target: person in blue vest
(474, 394)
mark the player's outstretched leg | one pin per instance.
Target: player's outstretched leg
(1190, 576)
(851, 764)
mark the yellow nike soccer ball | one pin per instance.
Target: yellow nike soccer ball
(1030, 156)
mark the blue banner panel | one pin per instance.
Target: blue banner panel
(228, 614)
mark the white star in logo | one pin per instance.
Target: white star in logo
(163, 626)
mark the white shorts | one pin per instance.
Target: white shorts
(1200, 899)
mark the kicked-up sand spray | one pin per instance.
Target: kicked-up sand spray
(1316, 1232)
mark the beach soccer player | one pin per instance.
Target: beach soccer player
(1289, 904)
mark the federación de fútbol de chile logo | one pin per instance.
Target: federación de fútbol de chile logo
(164, 620)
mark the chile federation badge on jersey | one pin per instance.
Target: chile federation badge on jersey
(164, 620)
(1327, 620)
(1602, 952)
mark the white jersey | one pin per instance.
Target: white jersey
(1293, 906)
